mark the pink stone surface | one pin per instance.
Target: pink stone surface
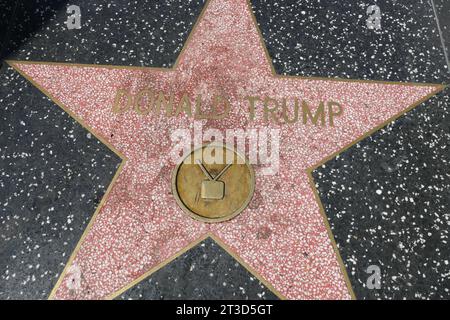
(140, 225)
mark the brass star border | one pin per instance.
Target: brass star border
(439, 88)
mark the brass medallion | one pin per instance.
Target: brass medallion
(213, 183)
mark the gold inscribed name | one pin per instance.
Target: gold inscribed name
(279, 111)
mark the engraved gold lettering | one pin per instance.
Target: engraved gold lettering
(270, 111)
(285, 111)
(162, 102)
(320, 114)
(146, 96)
(251, 108)
(332, 113)
(118, 107)
(184, 106)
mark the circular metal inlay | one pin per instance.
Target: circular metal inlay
(213, 183)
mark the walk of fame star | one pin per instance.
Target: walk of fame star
(283, 235)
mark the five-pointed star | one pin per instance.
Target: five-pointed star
(282, 236)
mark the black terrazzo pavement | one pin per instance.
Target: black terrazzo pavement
(331, 39)
(53, 174)
(5, 15)
(388, 199)
(443, 13)
(205, 272)
(134, 32)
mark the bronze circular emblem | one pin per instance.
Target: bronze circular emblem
(213, 183)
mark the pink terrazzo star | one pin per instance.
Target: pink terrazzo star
(282, 235)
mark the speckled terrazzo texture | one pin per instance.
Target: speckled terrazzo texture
(205, 272)
(6, 14)
(281, 235)
(137, 32)
(443, 13)
(388, 202)
(330, 39)
(53, 174)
